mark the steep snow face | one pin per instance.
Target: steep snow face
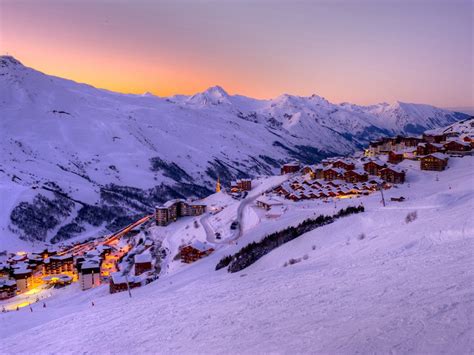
(412, 118)
(105, 157)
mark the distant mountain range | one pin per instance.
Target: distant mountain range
(79, 160)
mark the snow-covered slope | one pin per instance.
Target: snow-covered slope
(370, 283)
(75, 159)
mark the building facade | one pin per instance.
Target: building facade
(434, 162)
(392, 175)
(174, 209)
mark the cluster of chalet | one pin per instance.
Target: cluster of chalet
(22, 270)
(90, 263)
(339, 177)
(194, 251)
(432, 149)
(241, 185)
(174, 209)
(141, 272)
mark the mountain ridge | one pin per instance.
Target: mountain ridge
(106, 157)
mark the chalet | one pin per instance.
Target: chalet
(118, 282)
(434, 138)
(333, 174)
(241, 185)
(267, 202)
(294, 196)
(319, 173)
(342, 164)
(355, 176)
(289, 168)
(162, 216)
(18, 258)
(457, 146)
(22, 277)
(411, 141)
(395, 157)
(89, 273)
(4, 270)
(328, 161)
(58, 264)
(173, 209)
(373, 167)
(244, 184)
(282, 190)
(435, 162)
(307, 169)
(393, 175)
(143, 263)
(429, 148)
(195, 251)
(7, 288)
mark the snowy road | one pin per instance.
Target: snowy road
(246, 202)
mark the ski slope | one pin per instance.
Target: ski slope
(368, 283)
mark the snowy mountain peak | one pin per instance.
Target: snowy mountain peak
(10, 65)
(217, 90)
(214, 95)
(9, 61)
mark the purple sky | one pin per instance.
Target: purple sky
(358, 51)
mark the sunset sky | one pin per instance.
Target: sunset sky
(358, 51)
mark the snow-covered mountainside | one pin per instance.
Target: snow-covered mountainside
(372, 282)
(77, 160)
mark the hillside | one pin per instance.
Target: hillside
(368, 283)
(79, 161)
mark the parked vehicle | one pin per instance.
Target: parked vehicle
(234, 225)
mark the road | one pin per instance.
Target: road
(210, 234)
(84, 247)
(127, 229)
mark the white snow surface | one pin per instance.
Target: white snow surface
(368, 283)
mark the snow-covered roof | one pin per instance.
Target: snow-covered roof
(143, 258)
(337, 170)
(269, 200)
(119, 278)
(437, 155)
(393, 168)
(358, 171)
(21, 271)
(90, 264)
(5, 282)
(61, 257)
(458, 141)
(170, 203)
(197, 244)
(293, 163)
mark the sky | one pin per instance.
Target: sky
(357, 51)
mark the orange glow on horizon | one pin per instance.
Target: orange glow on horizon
(341, 51)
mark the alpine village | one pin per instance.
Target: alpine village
(125, 262)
